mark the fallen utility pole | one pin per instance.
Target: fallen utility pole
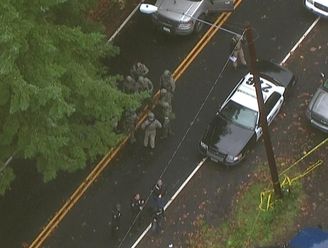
(262, 112)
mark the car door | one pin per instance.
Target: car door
(273, 105)
(220, 5)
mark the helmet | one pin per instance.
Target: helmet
(167, 73)
(151, 116)
(129, 79)
(163, 91)
(159, 182)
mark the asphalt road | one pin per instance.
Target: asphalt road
(28, 207)
(207, 197)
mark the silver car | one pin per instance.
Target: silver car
(184, 17)
(319, 7)
(317, 110)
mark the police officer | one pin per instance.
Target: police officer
(165, 103)
(137, 204)
(237, 51)
(158, 194)
(130, 117)
(167, 129)
(116, 220)
(167, 81)
(150, 125)
(130, 85)
(138, 69)
(145, 84)
(158, 216)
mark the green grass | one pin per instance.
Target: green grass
(250, 226)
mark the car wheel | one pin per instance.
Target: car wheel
(199, 25)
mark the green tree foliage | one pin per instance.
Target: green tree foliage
(56, 104)
(6, 177)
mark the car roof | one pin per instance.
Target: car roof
(245, 93)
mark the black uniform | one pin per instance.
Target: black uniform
(158, 216)
(136, 205)
(159, 192)
(116, 219)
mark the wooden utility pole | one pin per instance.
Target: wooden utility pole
(262, 112)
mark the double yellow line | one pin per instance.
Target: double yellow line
(69, 204)
(203, 42)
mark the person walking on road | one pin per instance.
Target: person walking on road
(159, 191)
(166, 112)
(150, 125)
(237, 52)
(158, 216)
(129, 124)
(137, 204)
(167, 81)
(167, 130)
(116, 220)
(165, 104)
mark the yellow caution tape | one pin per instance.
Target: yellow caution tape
(286, 183)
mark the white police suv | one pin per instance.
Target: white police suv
(235, 126)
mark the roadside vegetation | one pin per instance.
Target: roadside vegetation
(58, 104)
(254, 221)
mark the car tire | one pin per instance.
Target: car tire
(199, 25)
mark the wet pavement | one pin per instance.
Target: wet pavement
(207, 199)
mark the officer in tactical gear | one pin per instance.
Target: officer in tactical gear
(150, 125)
(167, 130)
(130, 85)
(129, 123)
(158, 216)
(165, 104)
(137, 204)
(167, 81)
(139, 69)
(237, 52)
(159, 191)
(145, 84)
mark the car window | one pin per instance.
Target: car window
(271, 102)
(239, 115)
(325, 85)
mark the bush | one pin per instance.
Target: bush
(6, 177)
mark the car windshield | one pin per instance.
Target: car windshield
(239, 115)
(325, 85)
